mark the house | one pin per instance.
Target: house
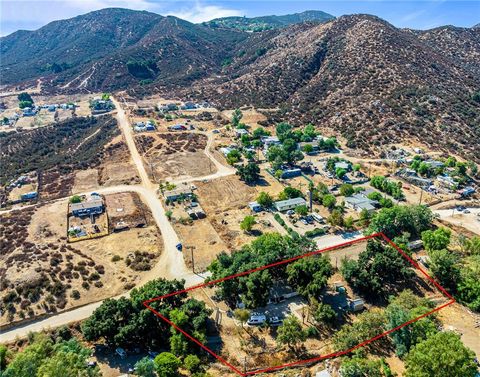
(285, 205)
(177, 127)
(29, 195)
(29, 112)
(255, 207)
(343, 165)
(447, 181)
(188, 106)
(415, 245)
(93, 206)
(290, 173)
(467, 191)
(225, 151)
(323, 373)
(359, 202)
(239, 132)
(268, 141)
(175, 194)
(434, 164)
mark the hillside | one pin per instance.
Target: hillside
(255, 24)
(366, 79)
(356, 75)
(115, 48)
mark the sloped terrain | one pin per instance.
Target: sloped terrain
(368, 80)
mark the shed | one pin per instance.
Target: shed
(255, 207)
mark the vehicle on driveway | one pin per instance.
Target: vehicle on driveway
(179, 246)
(256, 319)
(121, 352)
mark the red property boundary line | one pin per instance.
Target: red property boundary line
(314, 359)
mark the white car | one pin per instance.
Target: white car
(256, 319)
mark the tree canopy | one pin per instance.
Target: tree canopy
(442, 354)
(377, 267)
(309, 276)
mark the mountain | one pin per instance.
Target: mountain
(356, 75)
(362, 77)
(268, 22)
(114, 48)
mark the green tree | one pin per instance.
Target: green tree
(247, 223)
(301, 210)
(4, 356)
(24, 96)
(396, 220)
(283, 131)
(442, 354)
(307, 148)
(145, 367)
(167, 364)
(234, 156)
(377, 266)
(290, 332)
(340, 172)
(357, 167)
(236, 117)
(256, 289)
(259, 132)
(367, 325)
(265, 199)
(468, 287)
(290, 193)
(192, 363)
(436, 239)
(241, 315)
(75, 199)
(324, 314)
(248, 173)
(309, 276)
(348, 223)
(346, 189)
(329, 201)
(365, 217)
(336, 218)
(444, 266)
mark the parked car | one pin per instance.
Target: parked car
(290, 212)
(275, 321)
(179, 246)
(467, 211)
(121, 352)
(256, 319)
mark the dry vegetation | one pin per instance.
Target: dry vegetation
(42, 273)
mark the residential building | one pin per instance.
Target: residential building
(285, 205)
(93, 206)
(467, 191)
(359, 202)
(178, 193)
(447, 181)
(239, 132)
(290, 173)
(268, 141)
(226, 150)
(29, 195)
(434, 164)
(343, 165)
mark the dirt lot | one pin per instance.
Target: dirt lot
(220, 195)
(45, 272)
(170, 156)
(251, 117)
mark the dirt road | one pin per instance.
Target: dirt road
(222, 170)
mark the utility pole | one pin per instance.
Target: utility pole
(191, 254)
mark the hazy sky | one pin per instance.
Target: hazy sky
(32, 14)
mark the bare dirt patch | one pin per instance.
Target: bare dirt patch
(223, 194)
(175, 155)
